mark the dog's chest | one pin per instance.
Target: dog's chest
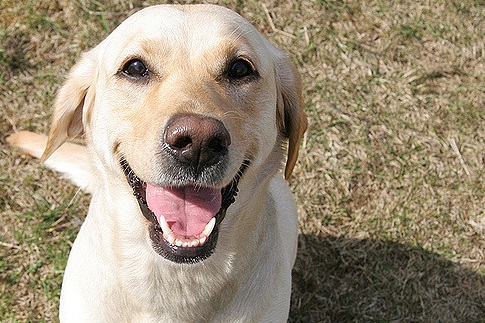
(177, 293)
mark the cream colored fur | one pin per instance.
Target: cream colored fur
(113, 274)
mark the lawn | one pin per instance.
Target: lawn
(390, 180)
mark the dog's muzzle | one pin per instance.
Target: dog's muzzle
(186, 213)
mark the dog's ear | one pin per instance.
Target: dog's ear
(291, 117)
(73, 103)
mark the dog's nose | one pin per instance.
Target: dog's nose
(196, 140)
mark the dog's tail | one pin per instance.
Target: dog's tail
(71, 160)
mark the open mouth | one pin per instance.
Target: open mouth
(184, 220)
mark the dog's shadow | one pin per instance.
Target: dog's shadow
(352, 280)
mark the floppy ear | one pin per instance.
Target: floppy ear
(291, 118)
(72, 104)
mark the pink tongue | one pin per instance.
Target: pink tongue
(187, 210)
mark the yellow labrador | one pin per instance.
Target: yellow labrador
(185, 111)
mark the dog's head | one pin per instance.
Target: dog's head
(182, 101)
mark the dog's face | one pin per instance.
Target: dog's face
(182, 100)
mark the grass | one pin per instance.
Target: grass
(390, 182)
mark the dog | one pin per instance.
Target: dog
(188, 113)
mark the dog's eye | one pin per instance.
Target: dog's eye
(135, 68)
(239, 69)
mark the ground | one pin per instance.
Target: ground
(390, 180)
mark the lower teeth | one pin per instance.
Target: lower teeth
(185, 243)
(170, 237)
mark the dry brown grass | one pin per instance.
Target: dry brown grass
(391, 177)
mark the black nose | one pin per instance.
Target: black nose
(196, 140)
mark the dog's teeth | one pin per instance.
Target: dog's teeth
(164, 225)
(170, 238)
(209, 227)
(186, 244)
